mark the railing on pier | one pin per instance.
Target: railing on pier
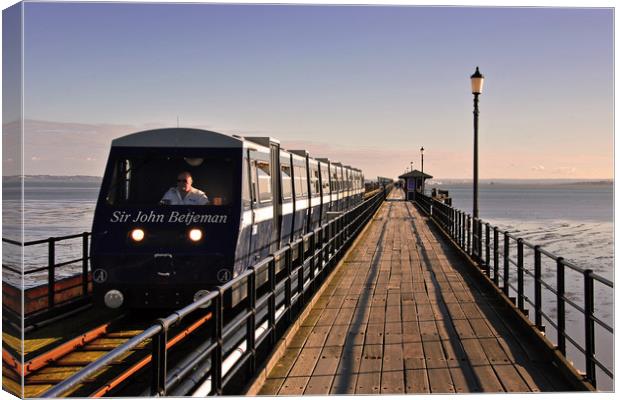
(494, 250)
(292, 275)
(56, 294)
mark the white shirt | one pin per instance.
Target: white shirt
(194, 197)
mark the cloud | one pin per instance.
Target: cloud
(538, 168)
(564, 170)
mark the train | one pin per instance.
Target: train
(183, 210)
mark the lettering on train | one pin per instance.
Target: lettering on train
(186, 218)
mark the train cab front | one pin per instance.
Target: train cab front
(165, 226)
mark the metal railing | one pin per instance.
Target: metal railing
(233, 341)
(53, 265)
(493, 249)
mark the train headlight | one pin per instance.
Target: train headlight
(195, 235)
(137, 235)
(113, 299)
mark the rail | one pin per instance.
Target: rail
(53, 265)
(493, 250)
(290, 280)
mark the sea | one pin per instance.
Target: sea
(571, 220)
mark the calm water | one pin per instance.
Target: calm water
(575, 222)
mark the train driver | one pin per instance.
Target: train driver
(184, 193)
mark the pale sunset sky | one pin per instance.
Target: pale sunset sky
(364, 85)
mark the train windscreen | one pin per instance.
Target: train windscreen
(152, 180)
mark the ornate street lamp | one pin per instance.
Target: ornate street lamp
(477, 80)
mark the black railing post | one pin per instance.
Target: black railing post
(311, 261)
(300, 274)
(85, 264)
(487, 260)
(506, 263)
(469, 234)
(51, 272)
(251, 324)
(272, 301)
(589, 325)
(561, 306)
(474, 236)
(463, 241)
(495, 256)
(217, 356)
(520, 294)
(537, 288)
(288, 291)
(158, 360)
(480, 240)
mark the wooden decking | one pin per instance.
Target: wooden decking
(401, 316)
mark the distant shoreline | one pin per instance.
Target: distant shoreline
(430, 183)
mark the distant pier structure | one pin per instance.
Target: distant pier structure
(414, 183)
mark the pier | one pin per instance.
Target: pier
(393, 296)
(403, 314)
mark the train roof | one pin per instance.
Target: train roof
(177, 137)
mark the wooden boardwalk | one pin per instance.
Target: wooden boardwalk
(402, 316)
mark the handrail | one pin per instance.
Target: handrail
(468, 234)
(53, 264)
(327, 246)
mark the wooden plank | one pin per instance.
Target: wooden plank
(434, 355)
(271, 386)
(481, 328)
(328, 361)
(440, 380)
(393, 333)
(317, 336)
(374, 334)
(510, 378)
(372, 357)
(337, 335)
(464, 379)
(392, 382)
(487, 378)
(305, 362)
(368, 383)
(494, 352)
(344, 384)
(293, 386)
(474, 352)
(319, 385)
(428, 330)
(416, 381)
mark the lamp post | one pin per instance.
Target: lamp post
(422, 165)
(477, 80)
(411, 166)
(422, 154)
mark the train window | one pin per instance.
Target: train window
(314, 181)
(144, 180)
(247, 186)
(287, 187)
(334, 180)
(301, 181)
(324, 179)
(263, 173)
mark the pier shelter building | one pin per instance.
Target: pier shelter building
(414, 182)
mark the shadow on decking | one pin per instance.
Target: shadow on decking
(503, 327)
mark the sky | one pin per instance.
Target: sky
(364, 85)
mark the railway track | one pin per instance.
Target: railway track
(64, 360)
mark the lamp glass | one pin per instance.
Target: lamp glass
(476, 85)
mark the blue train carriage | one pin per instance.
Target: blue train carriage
(146, 253)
